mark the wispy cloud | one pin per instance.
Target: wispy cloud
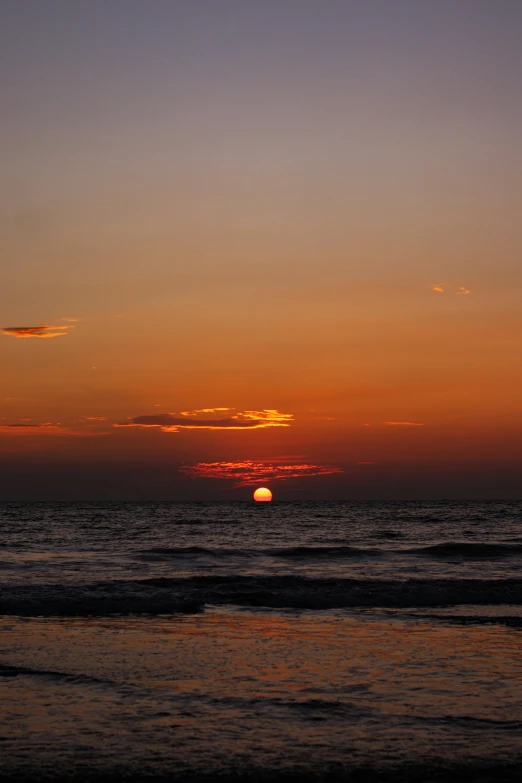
(249, 473)
(43, 331)
(210, 419)
(440, 289)
(205, 410)
(404, 424)
(94, 418)
(51, 428)
(28, 428)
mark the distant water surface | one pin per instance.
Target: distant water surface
(237, 639)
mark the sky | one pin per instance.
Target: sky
(250, 243)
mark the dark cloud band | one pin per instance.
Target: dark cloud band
(245, 420)
(43, 331)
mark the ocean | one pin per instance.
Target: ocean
(282, 641)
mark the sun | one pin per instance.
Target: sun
(262, 495)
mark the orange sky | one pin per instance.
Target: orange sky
(310, 219)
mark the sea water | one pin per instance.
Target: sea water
(261, 641)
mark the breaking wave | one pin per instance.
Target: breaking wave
(162, 595)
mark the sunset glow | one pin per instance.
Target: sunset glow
(261, 235)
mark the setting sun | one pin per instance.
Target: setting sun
(262, 495)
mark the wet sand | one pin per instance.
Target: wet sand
(235, 694)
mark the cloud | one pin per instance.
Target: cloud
(205, 410)
(23, 423)
(43, 331)
(243, 420)
(94, 418)
(25, 427)
(248, 473)
(404, 424)
(440, 289)
(28, 428)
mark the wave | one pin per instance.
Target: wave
(444, 550)
(88, 604)
(187, 551)
(10, 565)
(294, 552)
(312, 552)
(16, 671)
(163, 595)
(468, 549)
